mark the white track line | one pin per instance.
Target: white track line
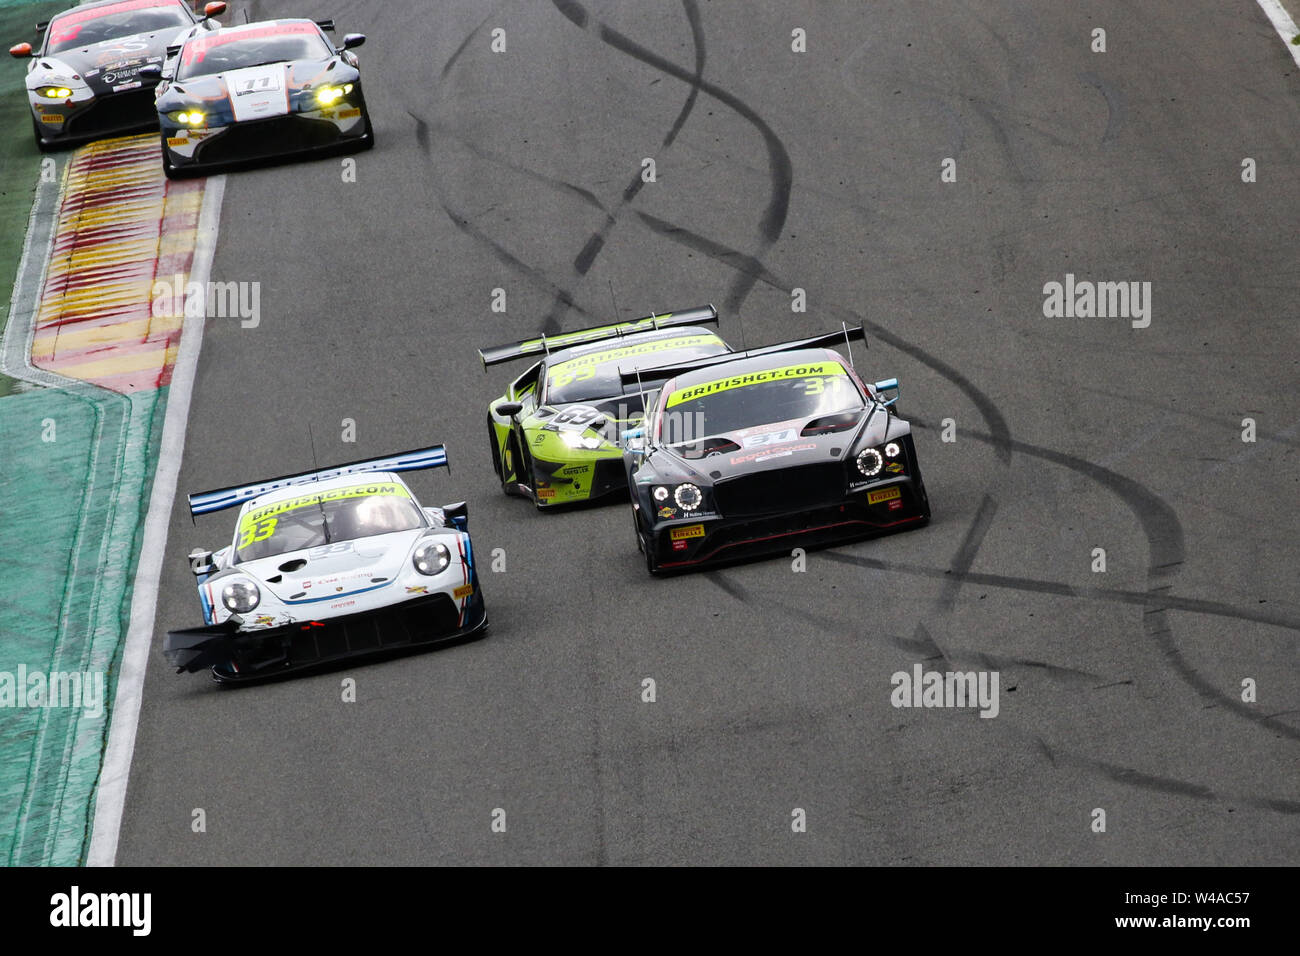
(110, 799)
(1283, 24)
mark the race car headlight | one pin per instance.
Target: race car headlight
(870, 461)
(188, 117)
(54, 92)
(892, 450)
(431, 558)
(240, 596)
(660, 493)
(329, 95)
(688, 497)
(577, 440)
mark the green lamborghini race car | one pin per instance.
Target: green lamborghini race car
(555, 434)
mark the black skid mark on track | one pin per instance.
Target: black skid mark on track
(781, 169)
(586, 257)
(1181, 788)
(798, 615)
(1148, 599)
(464, 45)
(536, 276)
(1164, 534)
(754, 268)
(970, 545)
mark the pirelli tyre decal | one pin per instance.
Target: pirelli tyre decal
(813, 372)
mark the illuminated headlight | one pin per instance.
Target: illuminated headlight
(240, 596)
(329, 95)
(892, 450)
(54, 92)
(431, 558)
(577, 440)
(870, 461)
(688, 497)
(188, 117)
(660, 493)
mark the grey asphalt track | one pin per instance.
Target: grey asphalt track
(820, 170)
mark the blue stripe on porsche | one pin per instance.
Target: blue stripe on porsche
(339, 594)
(207, 605)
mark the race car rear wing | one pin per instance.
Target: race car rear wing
(435, 456)
(844, 336)
(495, 354)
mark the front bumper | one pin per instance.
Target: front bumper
(235, 656)
(109, 114)
(253, 140)
(872, 510)
(564, 483)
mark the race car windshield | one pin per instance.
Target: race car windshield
(219, 54)
(311, 520)
(596, 375)
(724, 405)
(80, 29)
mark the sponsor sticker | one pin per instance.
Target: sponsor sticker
(814, 370)
(417, 589)
(895, 467)
(464, 591)
(546, 492)
(350, 113)
(884, 494)
(666, 512)
(689, 531)
(376, 489)
(680, 545)
(176, 141)
(896, 504)
(54, 119)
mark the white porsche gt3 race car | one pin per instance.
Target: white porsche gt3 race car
(84, 78)
(328, 565)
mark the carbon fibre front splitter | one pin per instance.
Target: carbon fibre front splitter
(243, 657)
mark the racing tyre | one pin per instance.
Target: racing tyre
(495, 446)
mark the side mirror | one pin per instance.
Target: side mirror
(633, 439)
(509, 409)
(211, 10)
(888, 385)
(201, 563)
(457, 514)
(353, 40)
(21, 50)
(150, 71)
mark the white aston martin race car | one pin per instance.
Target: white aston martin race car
(328, 565)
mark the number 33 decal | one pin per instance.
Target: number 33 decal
(257, 532)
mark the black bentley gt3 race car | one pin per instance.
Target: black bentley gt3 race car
(761, 450)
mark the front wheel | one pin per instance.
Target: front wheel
(495, 446)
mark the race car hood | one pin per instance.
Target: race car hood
(105, 67)
(257, 92)
(338, 569)
(780, 445)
